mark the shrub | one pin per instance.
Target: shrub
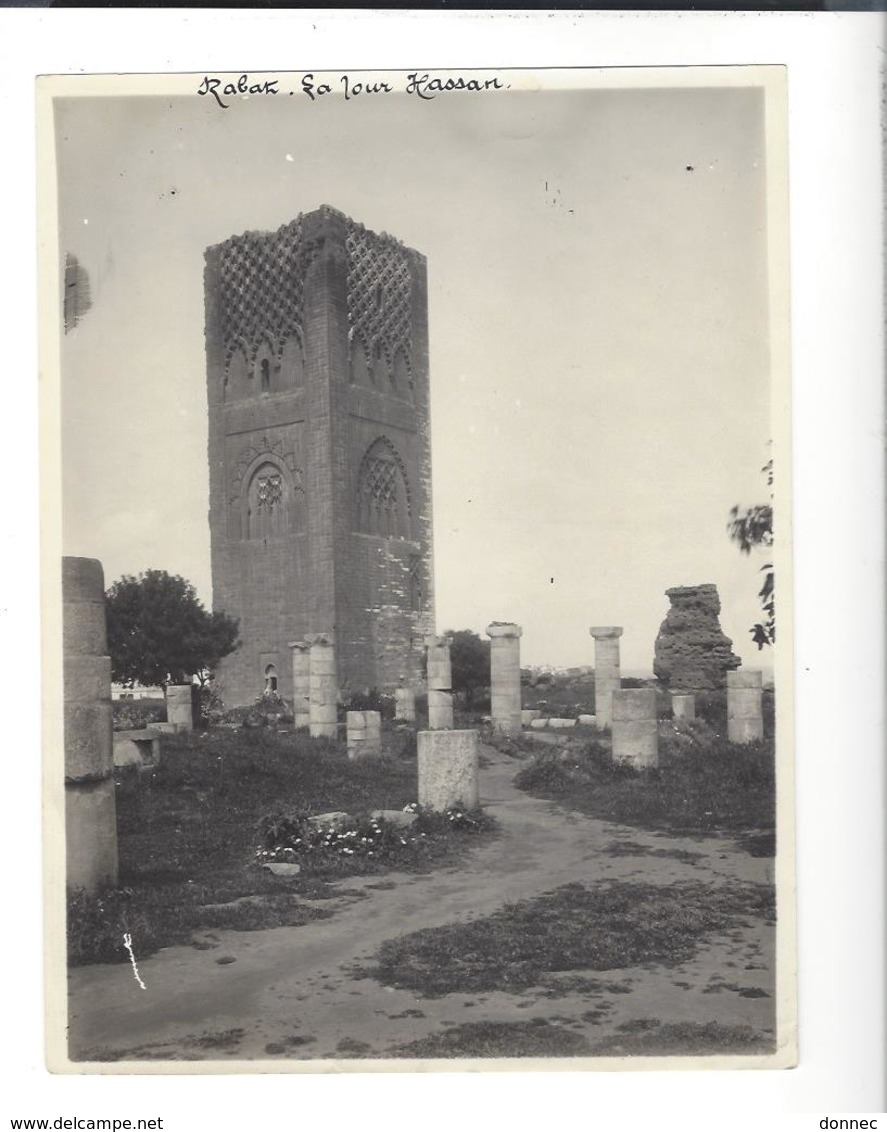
(268, 710)
(372, 700)
(401, 742)
(135, 715)
(290, 836)
(699, 786)
(97, 924)
(211, 707)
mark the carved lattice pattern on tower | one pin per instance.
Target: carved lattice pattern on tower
(383, 503)
(262, 278)
(379, 294)
(269, 490)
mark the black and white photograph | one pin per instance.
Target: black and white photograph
(424, 504)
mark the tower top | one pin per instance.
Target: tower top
(316, 219)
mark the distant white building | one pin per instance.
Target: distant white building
(137, 692)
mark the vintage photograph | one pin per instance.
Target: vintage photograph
(419, 529)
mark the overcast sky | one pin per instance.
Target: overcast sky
(598, 316)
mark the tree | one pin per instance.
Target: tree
(159, 633)
(750, 528)
(470, 661)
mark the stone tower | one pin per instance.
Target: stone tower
(319, 450)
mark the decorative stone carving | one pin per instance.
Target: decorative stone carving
(262, 277)
(379, 295)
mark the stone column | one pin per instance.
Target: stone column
(606, 670)
(180, 706)
(90, 807)
(404, 705)
(440, 684)
(505, 677)
(683, 705)
(745, 722)
(635, 728)
(301, 683)
(323, 688)
(364, 733)
(448, 770)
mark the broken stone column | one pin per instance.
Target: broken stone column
(180, 706)
(505, 677)
(440, 684)
(448, 770)
(404, 705)
(683, 705)
(745, 721)
(635, 728)
(301, 683)
(323, 688)
(607, 676)
(364, 733)
(90, 807)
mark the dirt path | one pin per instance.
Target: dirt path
(287, 992)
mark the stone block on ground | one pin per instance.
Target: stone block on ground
(448, 769)
(403, 819)
(180, 706)
(137, 748)
(404, 705)
(683, 706)
(745, 720)
(282, 868)
(335, 820)
(635, 727)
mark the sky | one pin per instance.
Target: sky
(598, 315)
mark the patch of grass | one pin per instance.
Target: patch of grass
(647, 1037)
(535, 1038)
(187, 837)
(633, 849)
(561, 986)
(191, 1048)
(719, 787)
(608, 927)
(285, 1045)
(353, 1047)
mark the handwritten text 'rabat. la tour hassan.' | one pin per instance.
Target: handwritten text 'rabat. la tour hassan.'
(425, 86)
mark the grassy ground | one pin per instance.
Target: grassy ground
(541, 1037)
(188, 833)
(575, 928)
(703, 785)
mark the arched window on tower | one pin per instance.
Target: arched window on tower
(383, 497)
(267, 503)
(266, 376)
(270, 678)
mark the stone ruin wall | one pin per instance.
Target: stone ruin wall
(692, 653)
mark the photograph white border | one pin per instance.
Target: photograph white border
(835, 88)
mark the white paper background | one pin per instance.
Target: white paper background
(836, 90)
